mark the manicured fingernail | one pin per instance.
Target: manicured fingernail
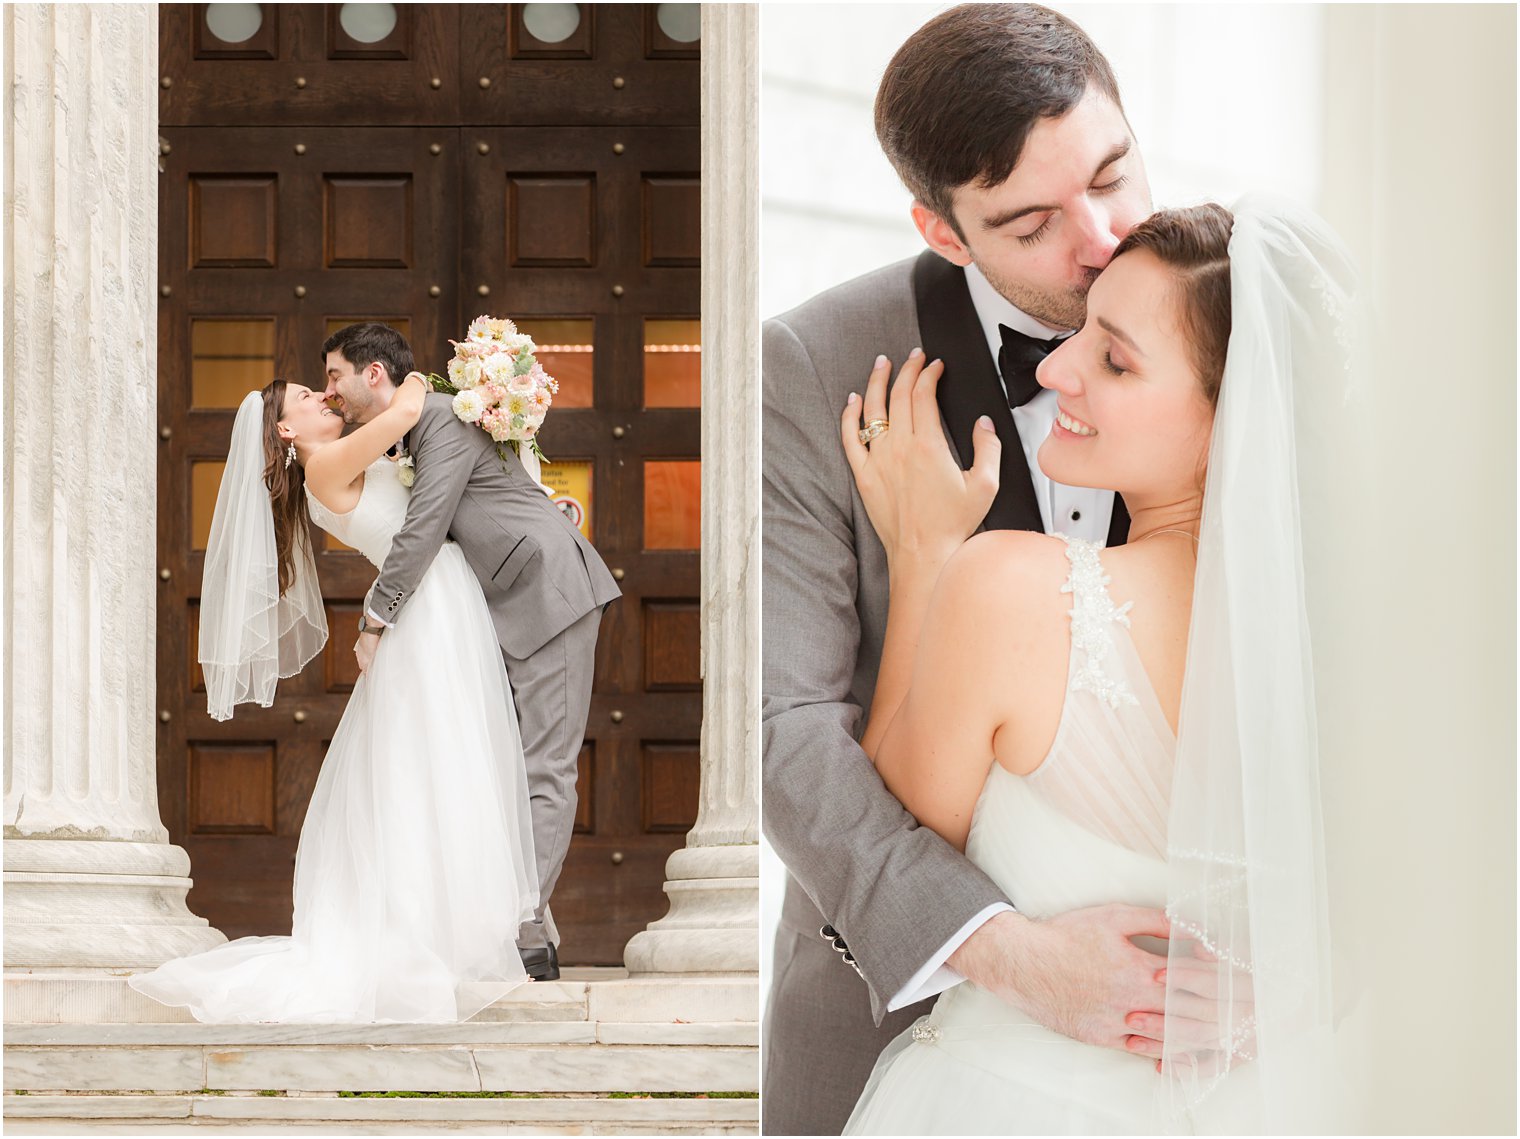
(881, 362)
(854, 399)
(917, 352)
(985, 422)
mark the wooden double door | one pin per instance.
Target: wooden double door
(322, 170)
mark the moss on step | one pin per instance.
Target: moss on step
(683, 1095)
(440, 1095)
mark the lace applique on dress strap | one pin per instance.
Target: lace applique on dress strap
(1092, 612)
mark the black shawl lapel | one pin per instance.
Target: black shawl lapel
(1118, 525)
(970, 386)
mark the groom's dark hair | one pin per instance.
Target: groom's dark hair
(371, 343)
(958, 100)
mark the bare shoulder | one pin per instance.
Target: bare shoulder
(1155, 574)
(1013, 574)
(1013, 621)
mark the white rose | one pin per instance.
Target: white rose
(405, 471)
(470, 375)
(469, 406)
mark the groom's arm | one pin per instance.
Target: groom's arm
(443, 455)
(900, 896)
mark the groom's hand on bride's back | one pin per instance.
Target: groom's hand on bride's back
(1079, 974)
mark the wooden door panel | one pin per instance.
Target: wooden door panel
(559, 228)
(280, 230)
(366, 194)
(301, 68)
(615, 67)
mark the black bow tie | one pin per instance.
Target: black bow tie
(1017, 360)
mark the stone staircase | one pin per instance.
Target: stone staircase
(591, 1054)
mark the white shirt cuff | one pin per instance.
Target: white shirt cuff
(370, 613)
(935, 976)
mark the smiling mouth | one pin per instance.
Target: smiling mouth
(1074, 425)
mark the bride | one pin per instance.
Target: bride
(1134, 725)
(421, 808)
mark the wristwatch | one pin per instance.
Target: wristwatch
(366, 627)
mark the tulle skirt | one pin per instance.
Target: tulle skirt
(415, 864)
(979, 1067)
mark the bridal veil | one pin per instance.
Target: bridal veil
(1252, 886)
(250, 635)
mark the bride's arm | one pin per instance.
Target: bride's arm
(980, 640)
(921, 504)
(910, 590)
(339, 463)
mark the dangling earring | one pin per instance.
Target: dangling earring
(290, 456)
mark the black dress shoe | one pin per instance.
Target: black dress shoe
(541, 964)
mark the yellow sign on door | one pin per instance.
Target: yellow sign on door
(570, 480)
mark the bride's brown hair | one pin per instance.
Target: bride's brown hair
(1194, 243)
(286, 483)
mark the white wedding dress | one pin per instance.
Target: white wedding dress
(1086, 828)
(415, 865)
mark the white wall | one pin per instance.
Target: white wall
(1419, 177)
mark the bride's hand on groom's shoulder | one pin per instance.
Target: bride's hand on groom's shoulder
(1079, 974)
(919, 500)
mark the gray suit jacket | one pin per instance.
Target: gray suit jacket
(539, 573)
(894, 890)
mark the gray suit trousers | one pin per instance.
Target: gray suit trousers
(552, 691)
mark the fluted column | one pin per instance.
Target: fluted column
(713, 883)
(90, 878)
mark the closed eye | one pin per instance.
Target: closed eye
(1109, 365)
(1031, 238)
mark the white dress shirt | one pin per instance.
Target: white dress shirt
(1078, 511)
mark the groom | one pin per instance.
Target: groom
(545, 585)
(1005, 123)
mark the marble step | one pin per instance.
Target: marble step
(461, 1067)
(732, 1033)
(329, 1114)
(581, 994)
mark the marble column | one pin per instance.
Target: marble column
(91, 881)
(713, 883)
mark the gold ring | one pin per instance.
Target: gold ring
(871, 430)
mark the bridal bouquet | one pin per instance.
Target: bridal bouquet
(498, 384)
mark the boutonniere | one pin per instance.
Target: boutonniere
(404, 469)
